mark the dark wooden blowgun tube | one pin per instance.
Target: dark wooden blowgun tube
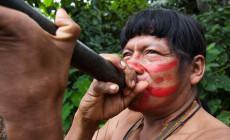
(83, 57)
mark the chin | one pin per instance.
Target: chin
(140, 105)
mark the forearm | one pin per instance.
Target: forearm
(81, 128)
(35, 124)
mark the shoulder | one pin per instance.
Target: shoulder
(202, 120)
(204, 127)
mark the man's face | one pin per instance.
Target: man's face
(153, 62)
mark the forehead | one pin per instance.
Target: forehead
(141, 42)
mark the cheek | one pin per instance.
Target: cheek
(169, 78)
(158, 91)
(158, 80)
(157, 58)
(162, 72)
(161, 67)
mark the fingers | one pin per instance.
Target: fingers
(68, 29)
(115, 60)
(130, 75)
(99, 88)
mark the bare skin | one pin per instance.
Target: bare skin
(155, 110)
(34, 70)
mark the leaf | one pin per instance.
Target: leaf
(66, 95)
(66, 110)
(203, 82)
(210, 65)
(66, 124)
(217, 81)
(72, 71)
(214, 105)
(47, 2)
(224, 116)
(76, 98)
(211, 86)
(82, 84)
(212, 55)
(223, 81)
(211, 46)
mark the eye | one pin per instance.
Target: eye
(127, 54)
(151, 52)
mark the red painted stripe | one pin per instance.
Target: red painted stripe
(161, 67)
(161, 91)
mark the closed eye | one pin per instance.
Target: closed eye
(152, 52)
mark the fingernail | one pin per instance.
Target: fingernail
(123, 63)
(113, 87)
(133, 83)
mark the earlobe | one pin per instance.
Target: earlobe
(198, 69)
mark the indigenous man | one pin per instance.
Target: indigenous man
(163, 61)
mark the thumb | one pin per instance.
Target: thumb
(68, 29)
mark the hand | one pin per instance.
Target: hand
(33, 71)
(102, 100)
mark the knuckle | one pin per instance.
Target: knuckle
(98, 86)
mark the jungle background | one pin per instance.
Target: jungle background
(101, 22)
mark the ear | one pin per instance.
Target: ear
(198, 69)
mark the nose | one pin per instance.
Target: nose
(139, 69)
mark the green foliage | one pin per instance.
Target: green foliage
(224, 116)
(216, 82)
(73, 94)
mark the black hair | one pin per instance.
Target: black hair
(185, 34)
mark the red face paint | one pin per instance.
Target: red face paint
(158, 92)
(169, 78)
(143, 102)
(161, 91)
(135, 66)
(137, 57)
(158, 80)
(161, 67)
